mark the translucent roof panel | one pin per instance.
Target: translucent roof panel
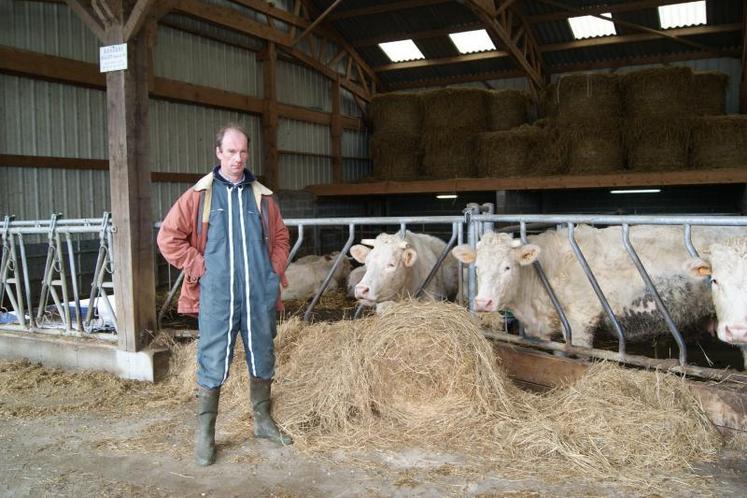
(468, 42)
(682, 14)
(402, 50)
(591, 27)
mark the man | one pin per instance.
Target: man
(228, 236)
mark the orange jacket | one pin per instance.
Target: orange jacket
(183, 235)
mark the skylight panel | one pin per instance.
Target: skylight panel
(468, 42)
(402, 50)
(682, 14)
(591, 27)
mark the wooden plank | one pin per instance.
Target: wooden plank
(384, 8)
(270, 117)
(724, 403)
(51, 68)
(629, 179)
(89, 19)
(137, 17)
(197, 94)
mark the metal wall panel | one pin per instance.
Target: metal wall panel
(303, 87)
(164, 195)
(182, 136)
(355, 169)
(42, 118)
(299, 136)
(297, 171)
(210, 63)
(355, 143)
(48, 28)
(349, 106)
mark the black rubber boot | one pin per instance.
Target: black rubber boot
(207, 411)
(264, 426)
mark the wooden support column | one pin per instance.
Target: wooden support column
(336, 133)
(270, 117)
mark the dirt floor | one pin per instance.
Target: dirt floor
(83, 434)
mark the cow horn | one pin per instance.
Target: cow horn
(516, 243)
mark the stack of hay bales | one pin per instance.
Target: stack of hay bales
(589, 107)
(717, 141)
(658, 117)
(523, 151)
(395, 145)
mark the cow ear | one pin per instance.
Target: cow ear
(526, 254)
(368, 242)
(409, 256)
(464, 253)
(360, 252)
(698, 267)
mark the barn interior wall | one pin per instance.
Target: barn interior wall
(44, 118)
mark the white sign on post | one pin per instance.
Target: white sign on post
(112, 58)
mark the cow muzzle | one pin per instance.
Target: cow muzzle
(485, 304)
(735, 334)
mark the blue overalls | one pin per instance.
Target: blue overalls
(239, 289)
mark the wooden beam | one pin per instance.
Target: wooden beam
(335, 131)
(85, 14)
(384, 8)
(453, 80)
(417, 35)
(634, 61)
(396, 66)
(622, 179)
(316, 22)
(270, 117)
(137, 17)
(660, 33)
(613, 8)
(53, 68)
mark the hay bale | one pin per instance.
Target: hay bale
(548, 101)
(448, 153)
(588, 97)
(396, 156)
(397, 113)
(658, 92)
(720, 142)
(506, 109)
(524, 151)
(709, 95)
(657, 144)
(454, 108)
(594, 150)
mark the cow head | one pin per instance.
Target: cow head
(498, 260)
(726, 265)
(387, 261)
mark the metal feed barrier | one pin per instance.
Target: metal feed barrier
(14, 273)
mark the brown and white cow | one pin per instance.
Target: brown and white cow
(396, 267)
(726, 265)
(306, 275)
(507, 280)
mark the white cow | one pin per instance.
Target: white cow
(726, 264)
(306, 275)
(356, 275)
(507, 280)
(395, 268)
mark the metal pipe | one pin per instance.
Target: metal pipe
(597, 289)
(689, 242)
(472, 228)
(439, 261)
(296, 246)
(617, 219)
(652, 289)
(169, 298)
(567, 331)
(330, 274)
(26, 281)
(74, 281)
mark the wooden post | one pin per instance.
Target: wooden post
(336, 133)
(270, 117)
(129, 179)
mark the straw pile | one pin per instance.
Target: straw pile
(397, 113)
(448, 152)
(449, 108)
(506, 109)
(548, 101)
(709, 96)
(593, 151)
(720, 142)
(657, 144)
(396, 156)
(524, 151)
(588, 98)
(664, 92)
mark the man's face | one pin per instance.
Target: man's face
(232, 154)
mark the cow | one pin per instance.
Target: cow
(725, 263)
(396, 267)
(354, 277)
(507, 280)
(306, 275)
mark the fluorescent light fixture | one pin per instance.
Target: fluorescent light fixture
(402, 50)
(468, 42)
(591, 27)
(637, 191)
(446, 196)
(682, 14)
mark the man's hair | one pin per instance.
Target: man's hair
(230, 126)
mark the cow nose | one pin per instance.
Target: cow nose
(736, 334)
(361, 291)
(483, 304)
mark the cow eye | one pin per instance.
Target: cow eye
(506, 268)
(391, 265)
(714, 281)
